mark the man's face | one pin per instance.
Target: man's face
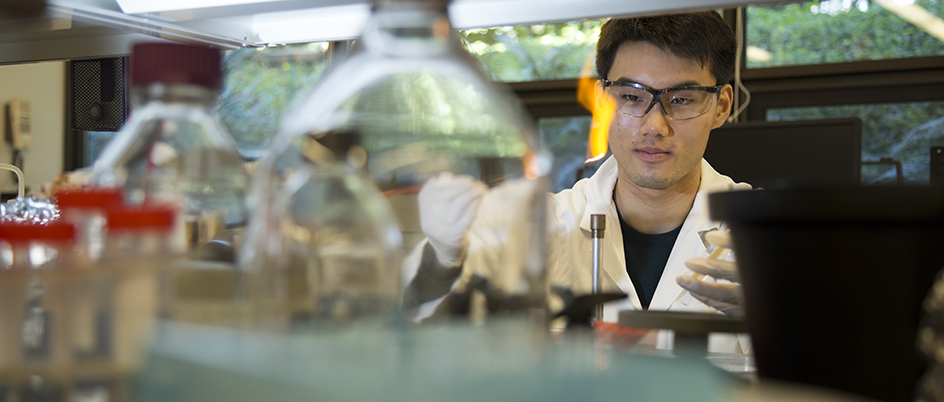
(654, 151)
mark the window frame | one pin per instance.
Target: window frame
(863, 82)
(876, 81)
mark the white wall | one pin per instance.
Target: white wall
(43, 85)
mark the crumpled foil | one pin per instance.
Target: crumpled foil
(29, 209)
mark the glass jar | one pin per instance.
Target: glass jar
(406, 107)
(174, 150)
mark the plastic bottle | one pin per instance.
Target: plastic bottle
(174, 150)
(405, 107)
(86, 209)
(140, 250)
(35, 352)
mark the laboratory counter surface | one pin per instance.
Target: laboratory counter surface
(503, 360)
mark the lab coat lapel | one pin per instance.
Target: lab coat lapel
(600, 201)
(614, 257)
(689, 243)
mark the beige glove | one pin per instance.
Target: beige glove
(725, 297)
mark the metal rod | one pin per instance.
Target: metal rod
(597, 226)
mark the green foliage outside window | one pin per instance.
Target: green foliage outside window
(538, 53)
(534, 52)
(261, 85)
(819, 32)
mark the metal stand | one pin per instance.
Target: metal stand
(597, 226)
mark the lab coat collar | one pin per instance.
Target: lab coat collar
(600, 193)
(600, 201)
(603, 183)
(687, 245)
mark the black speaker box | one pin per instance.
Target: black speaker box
(100, 96)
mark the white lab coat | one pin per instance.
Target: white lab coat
(493, 253)
(570, 249)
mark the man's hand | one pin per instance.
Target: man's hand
(725, 297)
(447, 206)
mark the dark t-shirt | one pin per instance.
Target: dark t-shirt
(646, 255)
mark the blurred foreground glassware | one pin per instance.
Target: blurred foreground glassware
(87, 209)
(174, 150)
(406, 107)
(931, 344)
(34, 348)
(71, 327)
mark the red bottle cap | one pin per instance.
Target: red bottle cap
(141, 218)
(175, 63)
(52, 232)
(88, 198)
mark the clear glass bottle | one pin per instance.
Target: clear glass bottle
(174, 149)
(404, 108)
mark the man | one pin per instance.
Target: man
(669, 78)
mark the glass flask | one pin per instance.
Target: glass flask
(174, 150)
(406, 107)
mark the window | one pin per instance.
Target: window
(261, 85)
(896, 132)
(835, 31)
(879, 60)
(566, 138)
(95, 143)
(535, 52)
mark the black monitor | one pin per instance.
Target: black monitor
(779, 154)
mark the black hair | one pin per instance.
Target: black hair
(703, 37)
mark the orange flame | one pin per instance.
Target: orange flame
(531, 169)
(591, 96)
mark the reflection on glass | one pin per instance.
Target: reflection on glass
(404, 111)
(533, 52)
(95, 143)
(566, 138)
(901, 131)
(260, 86)
(837, 31)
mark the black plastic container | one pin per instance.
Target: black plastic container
(834, 279)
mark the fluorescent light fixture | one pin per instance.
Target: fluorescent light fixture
(151, 6)
(322, 24)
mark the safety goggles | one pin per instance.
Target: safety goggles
(678, 103)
